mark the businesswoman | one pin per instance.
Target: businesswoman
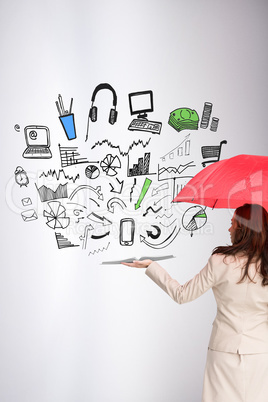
(237, 359)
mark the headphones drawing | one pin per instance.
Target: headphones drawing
(93, 112)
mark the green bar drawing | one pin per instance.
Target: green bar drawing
(144, 190)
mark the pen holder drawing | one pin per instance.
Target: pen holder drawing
(68, 124)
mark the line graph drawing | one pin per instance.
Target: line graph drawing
(122, 153)
(173, 173)
(53, 173)
(47, 194)
(153, 210)
(100, 250)
(69, 156)
(183, 149)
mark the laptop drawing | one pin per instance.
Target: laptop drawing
(38, 142)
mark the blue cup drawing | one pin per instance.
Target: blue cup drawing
(68, 124)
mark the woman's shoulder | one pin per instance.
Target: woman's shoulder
(221, 258)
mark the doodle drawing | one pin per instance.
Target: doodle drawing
(69, 156)
(194, 218)
(206, 115)
(29, 215)
(21, 177)
(122, 153)
(144, 190)
(127, 229)
(66, 118)
(53, 173)
(184, 119)
(26, 201)
(110, 164)
(113, 201)
(38, 142)
(164, 243)
(212, 151)
(141, 168)
(56, 216)
(100, 250)
(183, 149)
(141, 103)
(62, 242)
(119, 188)
(47, 194)
(92, 172)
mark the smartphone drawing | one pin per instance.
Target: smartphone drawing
(127, 229)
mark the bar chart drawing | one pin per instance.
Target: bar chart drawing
(69, 156)
(140, 168)
(183, 149)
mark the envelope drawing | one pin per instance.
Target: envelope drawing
(29, 215)
(26, 201)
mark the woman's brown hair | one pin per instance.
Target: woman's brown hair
(250, 239)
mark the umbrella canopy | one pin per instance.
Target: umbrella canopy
(229, 183)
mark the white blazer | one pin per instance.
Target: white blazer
(241, 323)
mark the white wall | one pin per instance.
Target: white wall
(73, 330)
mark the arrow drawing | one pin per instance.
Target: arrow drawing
(144, 190)
(119, 191)
(95, 237)
(84, 238)
(165, 242)
(113, 201)
(98, 219)
(154, 236)
(156, 202)
(154, 210)
(96, 190)
(162, 187)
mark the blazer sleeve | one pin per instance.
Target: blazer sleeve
(192, 289)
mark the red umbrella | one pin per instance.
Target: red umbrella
(229, 183)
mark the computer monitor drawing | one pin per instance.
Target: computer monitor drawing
(141, 103)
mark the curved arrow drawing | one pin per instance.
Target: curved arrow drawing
(84, 238)
(95, 237)
(165, 242)
(96, 190)
(156, 202)
(115, 200)
(154, 236)
(162, 187)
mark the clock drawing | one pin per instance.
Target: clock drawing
(21, 176)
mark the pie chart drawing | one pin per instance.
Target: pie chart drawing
(194, 218)
(109, 165)
(56, 216)
(92, 172)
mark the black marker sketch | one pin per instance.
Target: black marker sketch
(53, 173)
(17, 127)
(132, 189)
(69, 156)
(212, 151)
(151, 209)
(164, 215)
(110, 164)
(214, 124)
(194, 218)
(141, 168)
(119, 189)
(96, 190)
(38, 142)
(101, 236)
(21, 177)
(113, 201)
(165, 196)
(77, 212)
(29, 215)
(100, 250)
(141, 103)
(93, 112)
(134, 143)
(47, 194)
(98, 219)
(92, 172)
(183, 149)
(84, 238)
(167, 226)
(26, 201)
(56, 216)
(165, 242)
(154, 235)
(62, 242)
(92, 199)
(66, 118)
(75, 203)
(184, 119)
(206, 115)
(162, 187)
(174, 173)
(127, 229)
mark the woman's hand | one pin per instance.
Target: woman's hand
(138, 264)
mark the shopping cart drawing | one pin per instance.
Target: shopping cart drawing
(212, 151)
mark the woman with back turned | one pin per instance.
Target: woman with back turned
(237, 359)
